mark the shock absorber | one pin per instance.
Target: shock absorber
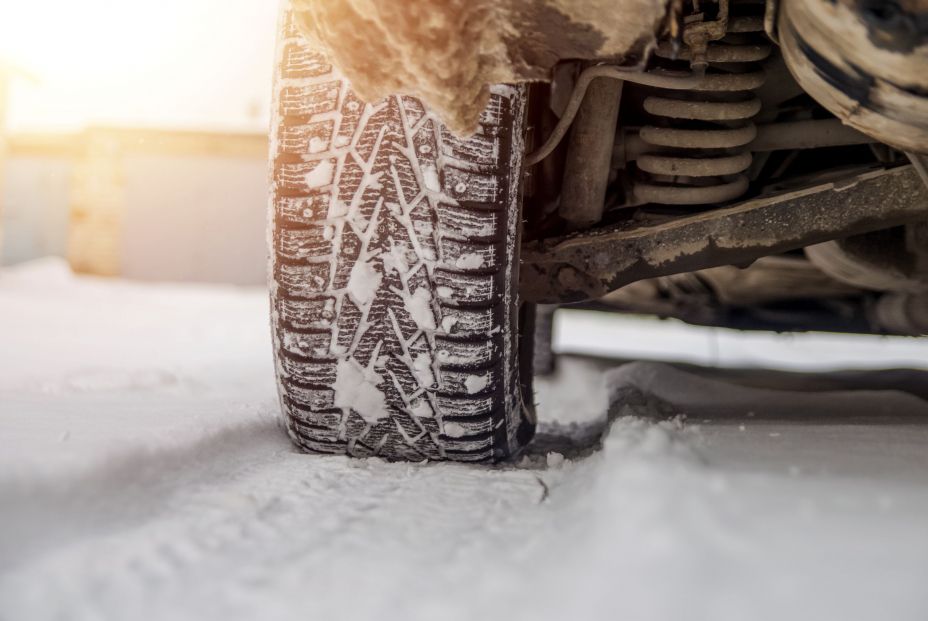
(695, 145)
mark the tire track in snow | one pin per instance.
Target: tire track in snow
(273, 507)
(124, 489)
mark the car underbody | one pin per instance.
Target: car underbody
(696, 138)
(447, 174)
(781, 218)
(736, 163)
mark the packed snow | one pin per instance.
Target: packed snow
(144, 474)
(364, 282)
(470, 261)
(357, 387)
(321, 174)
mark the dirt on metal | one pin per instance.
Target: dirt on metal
(448, 52)
(591, 264)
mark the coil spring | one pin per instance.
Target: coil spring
(696, 151)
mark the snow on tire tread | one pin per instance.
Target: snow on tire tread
(393, 258)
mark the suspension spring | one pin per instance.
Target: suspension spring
(696, 143)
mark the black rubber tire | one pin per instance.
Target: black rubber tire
(394, 271)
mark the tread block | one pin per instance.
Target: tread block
(308, 371)
(462, 444)
(304, 178)
(306, 344)
(307, 280)
(469, 383)
(302, 62)
(463, 288)
(471, 187)
(302, 210)
(314, 398)
(470, 407)
(309, 99)
(465, 256)
(465, 322)
(317, 313)
(480, 149)
(350, 113)
(322, 418)
(312, 242)
(466, 354)
(308, 138)
(462, 427)
(468, 223)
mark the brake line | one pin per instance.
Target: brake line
(657, 79)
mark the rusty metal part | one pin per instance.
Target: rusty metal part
(746, 24)
(863, 61)
(920, 162)
(696, 151)
(771, 8)
(771, 280)
(916, 243)
(698, 138)
(807, 135)
(701, 110)
(853, 314)
(693, 167)
(691, 195)
(770, 137)
(833, 260)
(718, 53)
(544, 358)
(902, 313)
(588, 265)
(768, 280)
(698, 34)
(729, 82)
(878, 261)
(671, 81)
(778, 293)
(586, 169)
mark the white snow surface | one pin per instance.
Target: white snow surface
(144, 475)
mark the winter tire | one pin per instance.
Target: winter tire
(394, 271)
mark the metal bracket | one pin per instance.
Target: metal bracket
(588, 265)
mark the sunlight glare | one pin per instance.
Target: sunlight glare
(131, 61)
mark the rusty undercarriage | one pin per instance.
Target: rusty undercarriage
(749, 163)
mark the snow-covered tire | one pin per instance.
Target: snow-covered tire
(394, 271)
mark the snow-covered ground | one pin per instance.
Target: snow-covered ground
(144, 475)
